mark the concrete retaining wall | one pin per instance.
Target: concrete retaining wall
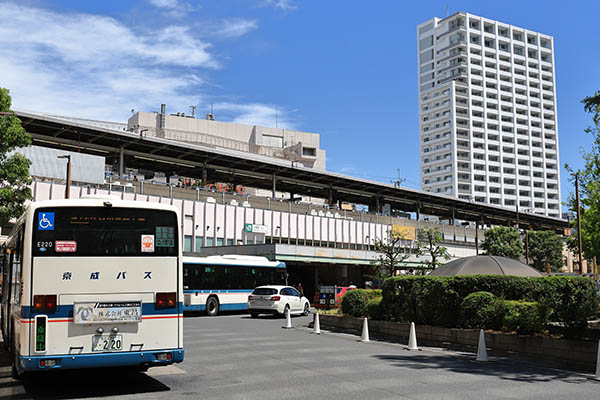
(561, 353)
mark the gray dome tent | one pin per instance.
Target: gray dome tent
(486, 265)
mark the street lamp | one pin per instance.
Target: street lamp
(68, 188)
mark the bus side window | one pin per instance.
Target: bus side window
(17, 260)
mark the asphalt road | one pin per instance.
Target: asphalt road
(236, 357)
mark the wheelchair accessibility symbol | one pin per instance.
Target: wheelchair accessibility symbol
(46, 221)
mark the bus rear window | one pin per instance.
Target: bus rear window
(104, 231)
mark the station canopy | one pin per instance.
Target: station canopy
(252, 170)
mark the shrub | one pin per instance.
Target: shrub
(482, 310)
(437, 300)
(354, 303)
(570, 300)
(525, 316)
(374, 308)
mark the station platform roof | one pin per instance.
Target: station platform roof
(225, 165)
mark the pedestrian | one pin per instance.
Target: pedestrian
(300, 288)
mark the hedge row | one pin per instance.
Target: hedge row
(362, 303)
(484, 310)
(437, 300)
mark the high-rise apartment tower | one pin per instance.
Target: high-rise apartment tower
(487, 113)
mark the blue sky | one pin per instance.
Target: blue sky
(344, 69)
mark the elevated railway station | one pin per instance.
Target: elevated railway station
(321, 242)
(209, 163)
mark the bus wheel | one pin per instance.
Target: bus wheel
(212, 306)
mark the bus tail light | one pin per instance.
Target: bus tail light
(275, 298)
(48, 363)
(166, 300)
(44, 302)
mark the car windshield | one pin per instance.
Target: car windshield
(264, 291)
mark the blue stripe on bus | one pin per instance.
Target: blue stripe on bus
(222, 307)
(207, 291)
(66, 311)
(129, 358)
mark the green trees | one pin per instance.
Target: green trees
(430, 245)
(589, 184)
(503, 241)
(390, 256)
(14, 169)
(545, 249)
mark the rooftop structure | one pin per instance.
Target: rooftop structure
(300, 147)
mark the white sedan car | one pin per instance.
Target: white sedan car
(277, 300)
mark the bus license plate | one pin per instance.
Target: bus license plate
(107, 342)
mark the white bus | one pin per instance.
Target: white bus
(223, 283)
(93, 282)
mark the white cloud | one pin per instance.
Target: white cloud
(164, 3)
(173, 8)
(285, 5)
(255, 114)
(235, 28)
(93, 66)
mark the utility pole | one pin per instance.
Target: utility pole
(68, 180)
(476, 238)
(527, 247)
(578, 223)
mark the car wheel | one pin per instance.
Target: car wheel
(212, 306)
(254, 315)
(286, 309)
(306, 309)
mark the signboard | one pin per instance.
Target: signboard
(46, 221)
(404, 232)
(96, 313)
(255, 228)
(65, 246)
(147, 243)
(165, 236)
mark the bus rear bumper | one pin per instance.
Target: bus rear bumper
(142, 359)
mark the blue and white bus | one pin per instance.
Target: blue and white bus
(93, 282)
(223, 283)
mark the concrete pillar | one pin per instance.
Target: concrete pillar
(274, 191)
(121, 162)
